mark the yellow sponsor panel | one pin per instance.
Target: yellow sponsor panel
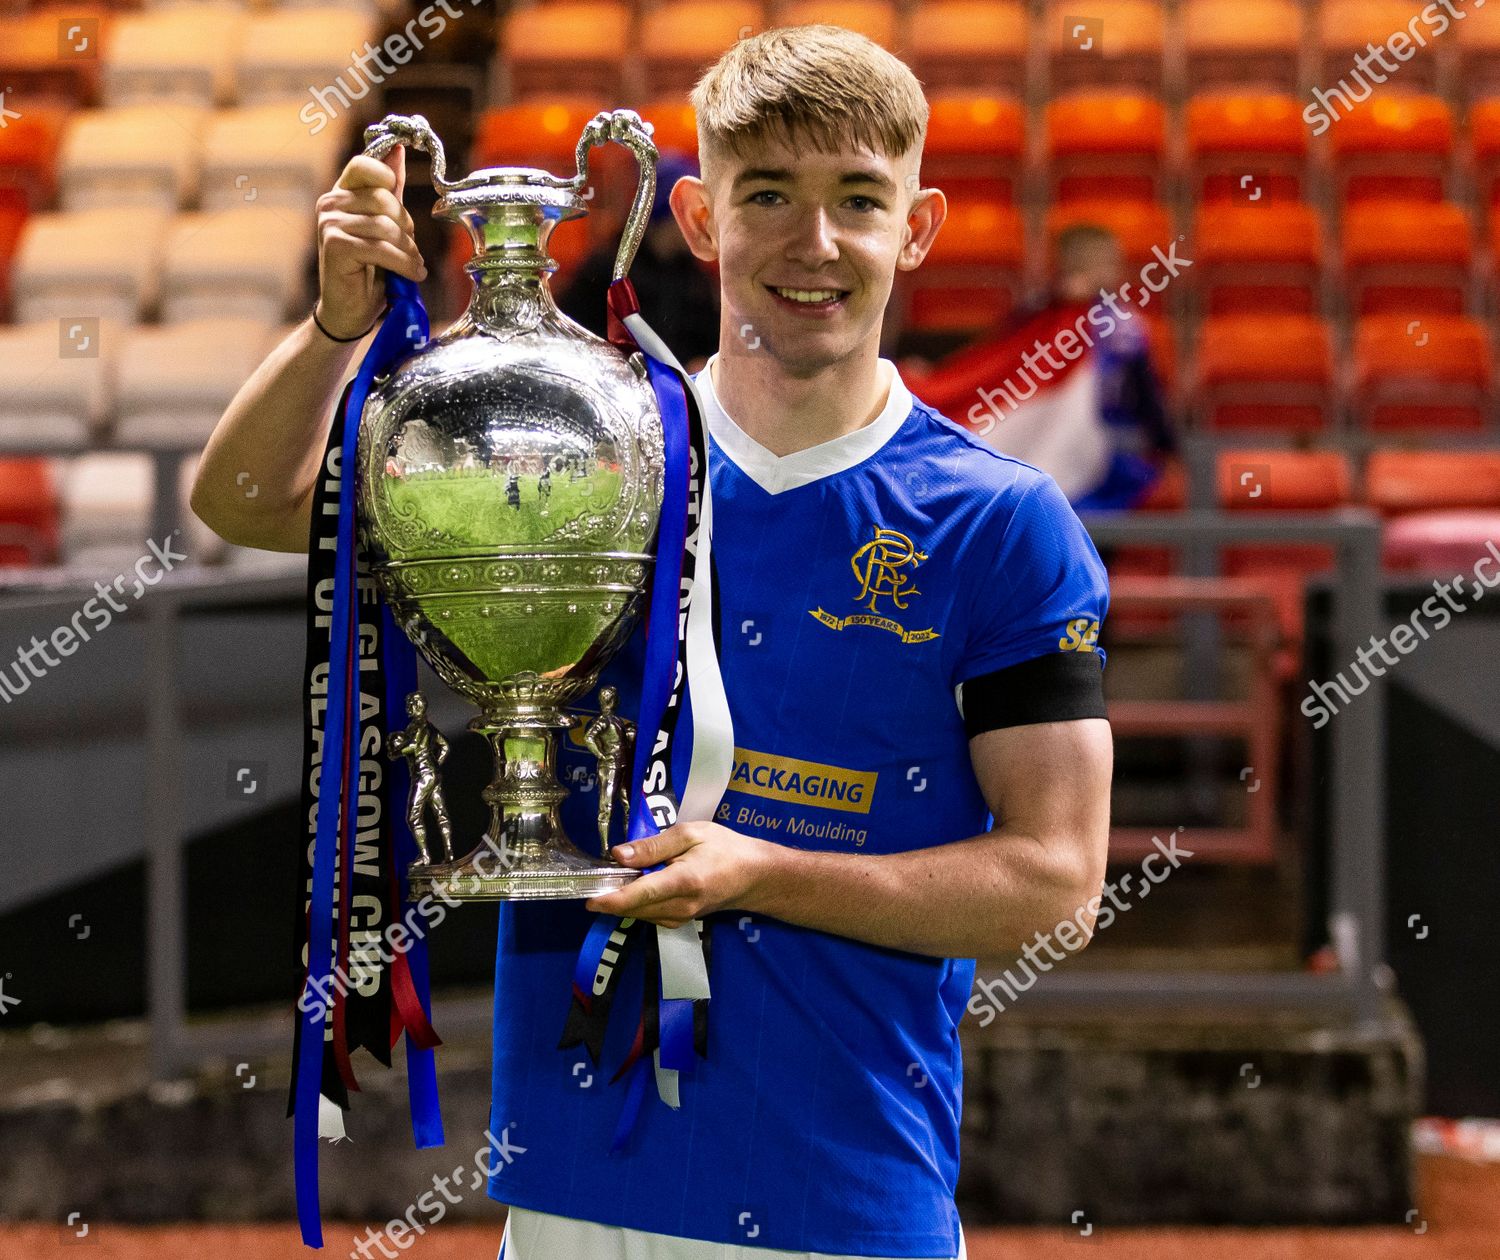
(802, 782)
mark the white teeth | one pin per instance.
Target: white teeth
(809, 295)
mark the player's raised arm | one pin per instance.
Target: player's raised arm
(255, 481)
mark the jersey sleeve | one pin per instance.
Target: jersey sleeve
(1039, 598)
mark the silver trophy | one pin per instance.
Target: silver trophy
(509, 487)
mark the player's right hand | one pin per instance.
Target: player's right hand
(363, 227)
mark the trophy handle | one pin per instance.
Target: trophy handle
(624, 126)
(415, 131)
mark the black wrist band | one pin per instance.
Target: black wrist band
(361, 336)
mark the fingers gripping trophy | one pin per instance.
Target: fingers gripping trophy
(515, 584)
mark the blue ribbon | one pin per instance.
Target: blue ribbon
(676, 1014)
(403, 330)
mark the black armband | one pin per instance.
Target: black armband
(1058, 687)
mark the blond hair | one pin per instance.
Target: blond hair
(821, 85)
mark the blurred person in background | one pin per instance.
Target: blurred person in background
(678, 297)
(1068, 385)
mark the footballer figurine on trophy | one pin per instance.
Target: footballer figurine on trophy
(417, 743)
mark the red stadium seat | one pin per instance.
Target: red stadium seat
(1264, 372)
(1247, 147)
(574, 47)
(1479, 52)
(975, 146)
(29, 514)
(874, 19)
(1428, 373)
(969, 45)
(1105, 144)
(1442, 506)
(680, 40)
(33, 67)
(1257, 259)
(1348, 27)
(1484, 144)
(541, 132)
(1401, 481)
(1282, 481)
(1407, 257)
(969, 281)
(675, 123)
(1397, 146)
(1105, 43)
(1242, 43)
(12, 224)
(29, 147)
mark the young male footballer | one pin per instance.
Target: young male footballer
(908, 641)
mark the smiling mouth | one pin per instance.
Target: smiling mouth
(809, 299)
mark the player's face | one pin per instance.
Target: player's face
(808, 244)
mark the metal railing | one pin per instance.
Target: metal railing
(1357, 843)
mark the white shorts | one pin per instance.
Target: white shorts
(540, 1236)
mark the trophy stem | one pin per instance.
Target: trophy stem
(525, 853)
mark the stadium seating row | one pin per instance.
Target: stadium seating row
(590, 45)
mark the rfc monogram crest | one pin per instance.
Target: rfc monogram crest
(882, 570)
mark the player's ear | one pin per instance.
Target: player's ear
(928, 210)
(693, 209)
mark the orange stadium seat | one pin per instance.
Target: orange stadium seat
(1264, 372)
(1403, 257)
(1114, 43)
(1247, 147)
(1442, 506)
(1479, 52)
(975, 146)
(1348, 27)
(675, 123)
(680, 40)
(1429, 373)
(1484, 145)
(1398, 145)
(970, 279)
(974, 45)
(28, 513)
(542, 131)
(1140, 226)
(1242, 43)
(41, 59)
(1399, 481)
(1250, 259)
(874, 19)
(576, 47)
(1105, 144)
(1282, 481)
(29, 147)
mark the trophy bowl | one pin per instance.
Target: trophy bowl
(509, 487)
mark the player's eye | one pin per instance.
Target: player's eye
(869, 204)
(763, 192)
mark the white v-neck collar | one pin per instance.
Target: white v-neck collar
(775, 473)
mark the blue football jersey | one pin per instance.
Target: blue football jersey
(861, 582)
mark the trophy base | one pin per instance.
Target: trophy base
(556, 871)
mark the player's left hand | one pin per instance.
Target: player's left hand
(709, 868)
